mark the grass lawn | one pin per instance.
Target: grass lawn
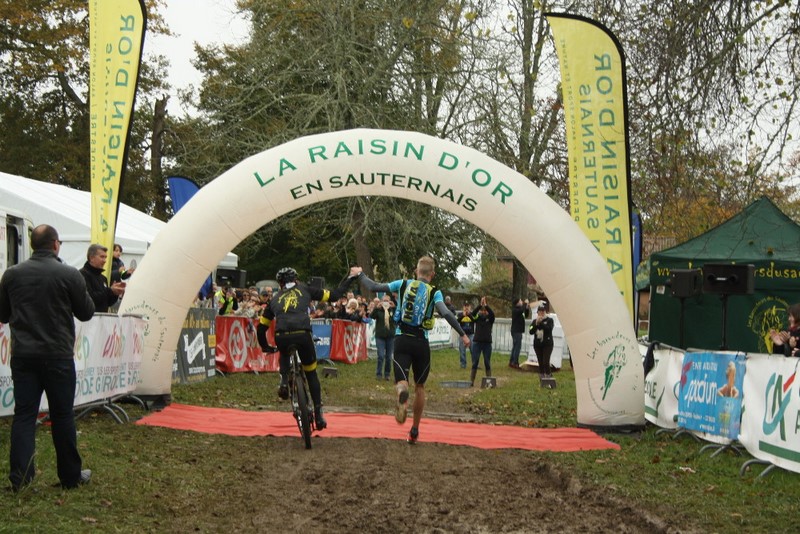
(133, 464)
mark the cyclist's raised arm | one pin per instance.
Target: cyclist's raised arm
(335, 294)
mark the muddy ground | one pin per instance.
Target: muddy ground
(366, 485)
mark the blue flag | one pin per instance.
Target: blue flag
(636, 227)
(181, 190)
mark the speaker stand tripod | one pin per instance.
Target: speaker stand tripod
(724, 298)
(680, 324)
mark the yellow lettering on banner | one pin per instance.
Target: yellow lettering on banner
(789, 273)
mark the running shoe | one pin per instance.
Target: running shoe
(402, 404)
(413, 435)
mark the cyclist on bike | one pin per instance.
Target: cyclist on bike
(414, 317)
(289, 309)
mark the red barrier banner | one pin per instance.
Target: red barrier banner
(348, 341)
(237, 346)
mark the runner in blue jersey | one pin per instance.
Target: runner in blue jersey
(417, 300)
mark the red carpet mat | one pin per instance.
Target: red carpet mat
(355, 425)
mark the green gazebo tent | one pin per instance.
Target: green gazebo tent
(761, 235)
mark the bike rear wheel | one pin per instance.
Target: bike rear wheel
(304, 415)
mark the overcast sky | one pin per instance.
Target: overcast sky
(203, 21)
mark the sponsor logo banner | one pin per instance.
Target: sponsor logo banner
(108, 357)
(710, 397)
(237, 348)
(662, 387)
(770, 429)
(195, 354)
(348, 341)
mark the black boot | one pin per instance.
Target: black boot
(472, 377)
(540, 361)
(319, 421)
(283, 388)
(546, 361)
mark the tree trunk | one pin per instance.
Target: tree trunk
(519, 288)
(363, 251)
(156, 145)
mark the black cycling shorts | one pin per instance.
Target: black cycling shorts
(411, 353)
(302, 340)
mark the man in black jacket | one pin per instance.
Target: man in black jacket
(38, 299)
(97, 283)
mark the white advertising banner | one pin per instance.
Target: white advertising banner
(661, 388)
(770, 429)
(108, 357)
(438, 337)
(6, 385)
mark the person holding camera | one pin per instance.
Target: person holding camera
(383, 315)
(542, 331)
(464, 318)
(228, 303)
(483, 321)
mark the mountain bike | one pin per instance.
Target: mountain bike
(300, 397)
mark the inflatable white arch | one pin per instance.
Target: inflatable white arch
(418, 167)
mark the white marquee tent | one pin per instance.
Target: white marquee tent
(69, 211)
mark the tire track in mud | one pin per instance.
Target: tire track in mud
(377, 485)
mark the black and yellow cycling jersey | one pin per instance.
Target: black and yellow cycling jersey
(289, 307)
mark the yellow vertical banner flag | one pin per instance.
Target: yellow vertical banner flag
(595, 107)
(116, 37)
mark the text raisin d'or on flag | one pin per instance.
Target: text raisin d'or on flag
(595, 107)
(116, 37)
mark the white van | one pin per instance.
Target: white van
(15, 238)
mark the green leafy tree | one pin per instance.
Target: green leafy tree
(713, 93)
(44, 68)
(317, 66)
